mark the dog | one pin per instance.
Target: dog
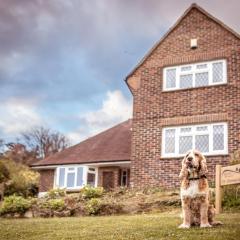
(194, 192)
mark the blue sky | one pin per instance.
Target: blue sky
(63, 62)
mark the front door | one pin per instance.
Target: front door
(108, 180)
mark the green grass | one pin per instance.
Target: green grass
(145, 226)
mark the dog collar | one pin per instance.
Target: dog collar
(197, 178)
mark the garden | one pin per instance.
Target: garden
(93, 213)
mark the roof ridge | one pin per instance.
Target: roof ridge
(193, 5)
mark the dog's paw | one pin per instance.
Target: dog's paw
(184, 226)
(206, 225)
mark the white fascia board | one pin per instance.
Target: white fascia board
(84, 164)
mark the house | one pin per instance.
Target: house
(102, 160)
(186, 94)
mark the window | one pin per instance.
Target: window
(210, 139)
(91, 177)
(194, 75)
(75, 177)
(124, 177)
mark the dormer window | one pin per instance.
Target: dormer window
(194, 75)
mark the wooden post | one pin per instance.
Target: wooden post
(218, 197)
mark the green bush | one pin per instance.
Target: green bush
(56, 193)
(52, 204)
(14, 204)
(22, 180)
(231, 197)
(4, 173)
(89, 192)
(93, 206)
(235, 158)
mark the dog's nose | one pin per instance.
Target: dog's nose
(190, 159)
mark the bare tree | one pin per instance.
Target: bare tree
(19, 153)
(44, 141)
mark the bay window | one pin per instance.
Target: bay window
(210, 139)
(75, 177)
(194, 75)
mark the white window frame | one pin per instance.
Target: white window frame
(194, 133)
(75, 187)
(93, 172)
(194, 71)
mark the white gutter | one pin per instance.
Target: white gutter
(84, 164)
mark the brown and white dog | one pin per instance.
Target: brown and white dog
(195, 191)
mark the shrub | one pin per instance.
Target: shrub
(14, 204)
(56, 193)
(4, 173)
(22, 180)
(231, 197)
(52, 204)
(89, 192)
(231, 193)
(235, 158)
(93, 206)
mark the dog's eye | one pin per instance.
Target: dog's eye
(196, 154)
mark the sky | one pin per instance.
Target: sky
(63, 62)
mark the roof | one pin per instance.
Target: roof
(193, 6)
(111, 145)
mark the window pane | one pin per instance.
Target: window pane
(61, 177)
(170, 141)
(186, 81)
(185, 144)
(124, 178)
(202, 143)
(91, 179)
(171, 78)
(70, 179)
(201, 79)
(186, 130)
(186, 68)
(217, 71)
(202, 128)
(79, 176)
(201, 66)
(218, 137)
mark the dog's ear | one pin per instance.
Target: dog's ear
(203, 165)
(184, 172)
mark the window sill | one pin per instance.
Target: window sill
(206, 155)
(193, 88)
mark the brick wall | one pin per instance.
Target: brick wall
(154, 109)
(46, 180)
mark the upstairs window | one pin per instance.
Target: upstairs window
(194, 75)
(210, 139)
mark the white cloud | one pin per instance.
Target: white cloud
(115, 109)
(17, 116)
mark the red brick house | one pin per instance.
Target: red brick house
(102, 160)
(186, 94)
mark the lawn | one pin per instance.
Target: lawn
(145, 226)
